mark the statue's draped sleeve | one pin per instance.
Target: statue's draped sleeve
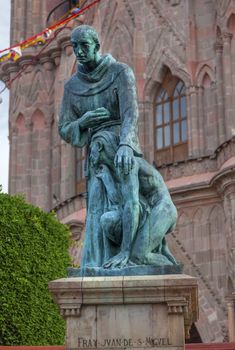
(128, 109)
(118, 77)
(69, 122)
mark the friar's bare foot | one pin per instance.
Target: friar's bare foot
(118, 261)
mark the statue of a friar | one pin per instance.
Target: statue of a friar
(129, 209)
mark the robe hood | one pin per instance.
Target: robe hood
(91, 83)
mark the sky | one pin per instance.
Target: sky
(4, 144)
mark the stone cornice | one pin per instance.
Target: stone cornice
(203, 185)
(70, 205)
(224, 181)
(178, 292)
(211, 163)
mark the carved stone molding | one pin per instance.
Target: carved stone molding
(46, 61)
(9, 67)
(63, 37)
(129, 11)
(156, 8)
(70, 206)
(29, 124)
(68, 297)
(156, 70)
(70, 311)
(218, 47)
(26, 59)
(180, 307)
(193, 90)
(222, 6)
(227, 37)
(109, 15)
(225, 182)
(174, 2)
(76, 229)
(55, 53)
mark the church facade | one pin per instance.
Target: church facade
(182, 53)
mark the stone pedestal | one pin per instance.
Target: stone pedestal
(127, 312)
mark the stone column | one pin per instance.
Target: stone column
(231, 317)
(193, 121)
(220, 91)
(139, 65)
(56, 140)
(228, 88)
(228, 187)
(143, 134)
(28, 156)
(18, 21)
(213, 121)
(31, 23)
(11, 70)
(147, 135)
(225, 184)
(55, 165)
(67, 152)
(201, 122)
(47, 164)
(49, 69)
(189, 122)
(13, 160)
(139, 49)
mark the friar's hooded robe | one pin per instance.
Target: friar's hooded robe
(111, 85)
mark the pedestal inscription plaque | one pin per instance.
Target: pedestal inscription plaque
(127, 312)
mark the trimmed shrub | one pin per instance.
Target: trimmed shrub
(33, 251)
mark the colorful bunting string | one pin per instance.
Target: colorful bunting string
(14, 52)
(51, 34)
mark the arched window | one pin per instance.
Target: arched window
(80, 170)
(170, 122)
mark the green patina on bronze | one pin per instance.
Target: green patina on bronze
(129, 209)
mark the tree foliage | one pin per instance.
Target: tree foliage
(33, 251)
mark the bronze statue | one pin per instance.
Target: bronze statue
(129, 209)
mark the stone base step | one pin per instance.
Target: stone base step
(209, 346)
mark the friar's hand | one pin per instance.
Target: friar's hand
(93, 118)
(124, 159)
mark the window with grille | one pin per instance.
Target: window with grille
(170, 122)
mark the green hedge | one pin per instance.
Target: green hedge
(33, 251)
